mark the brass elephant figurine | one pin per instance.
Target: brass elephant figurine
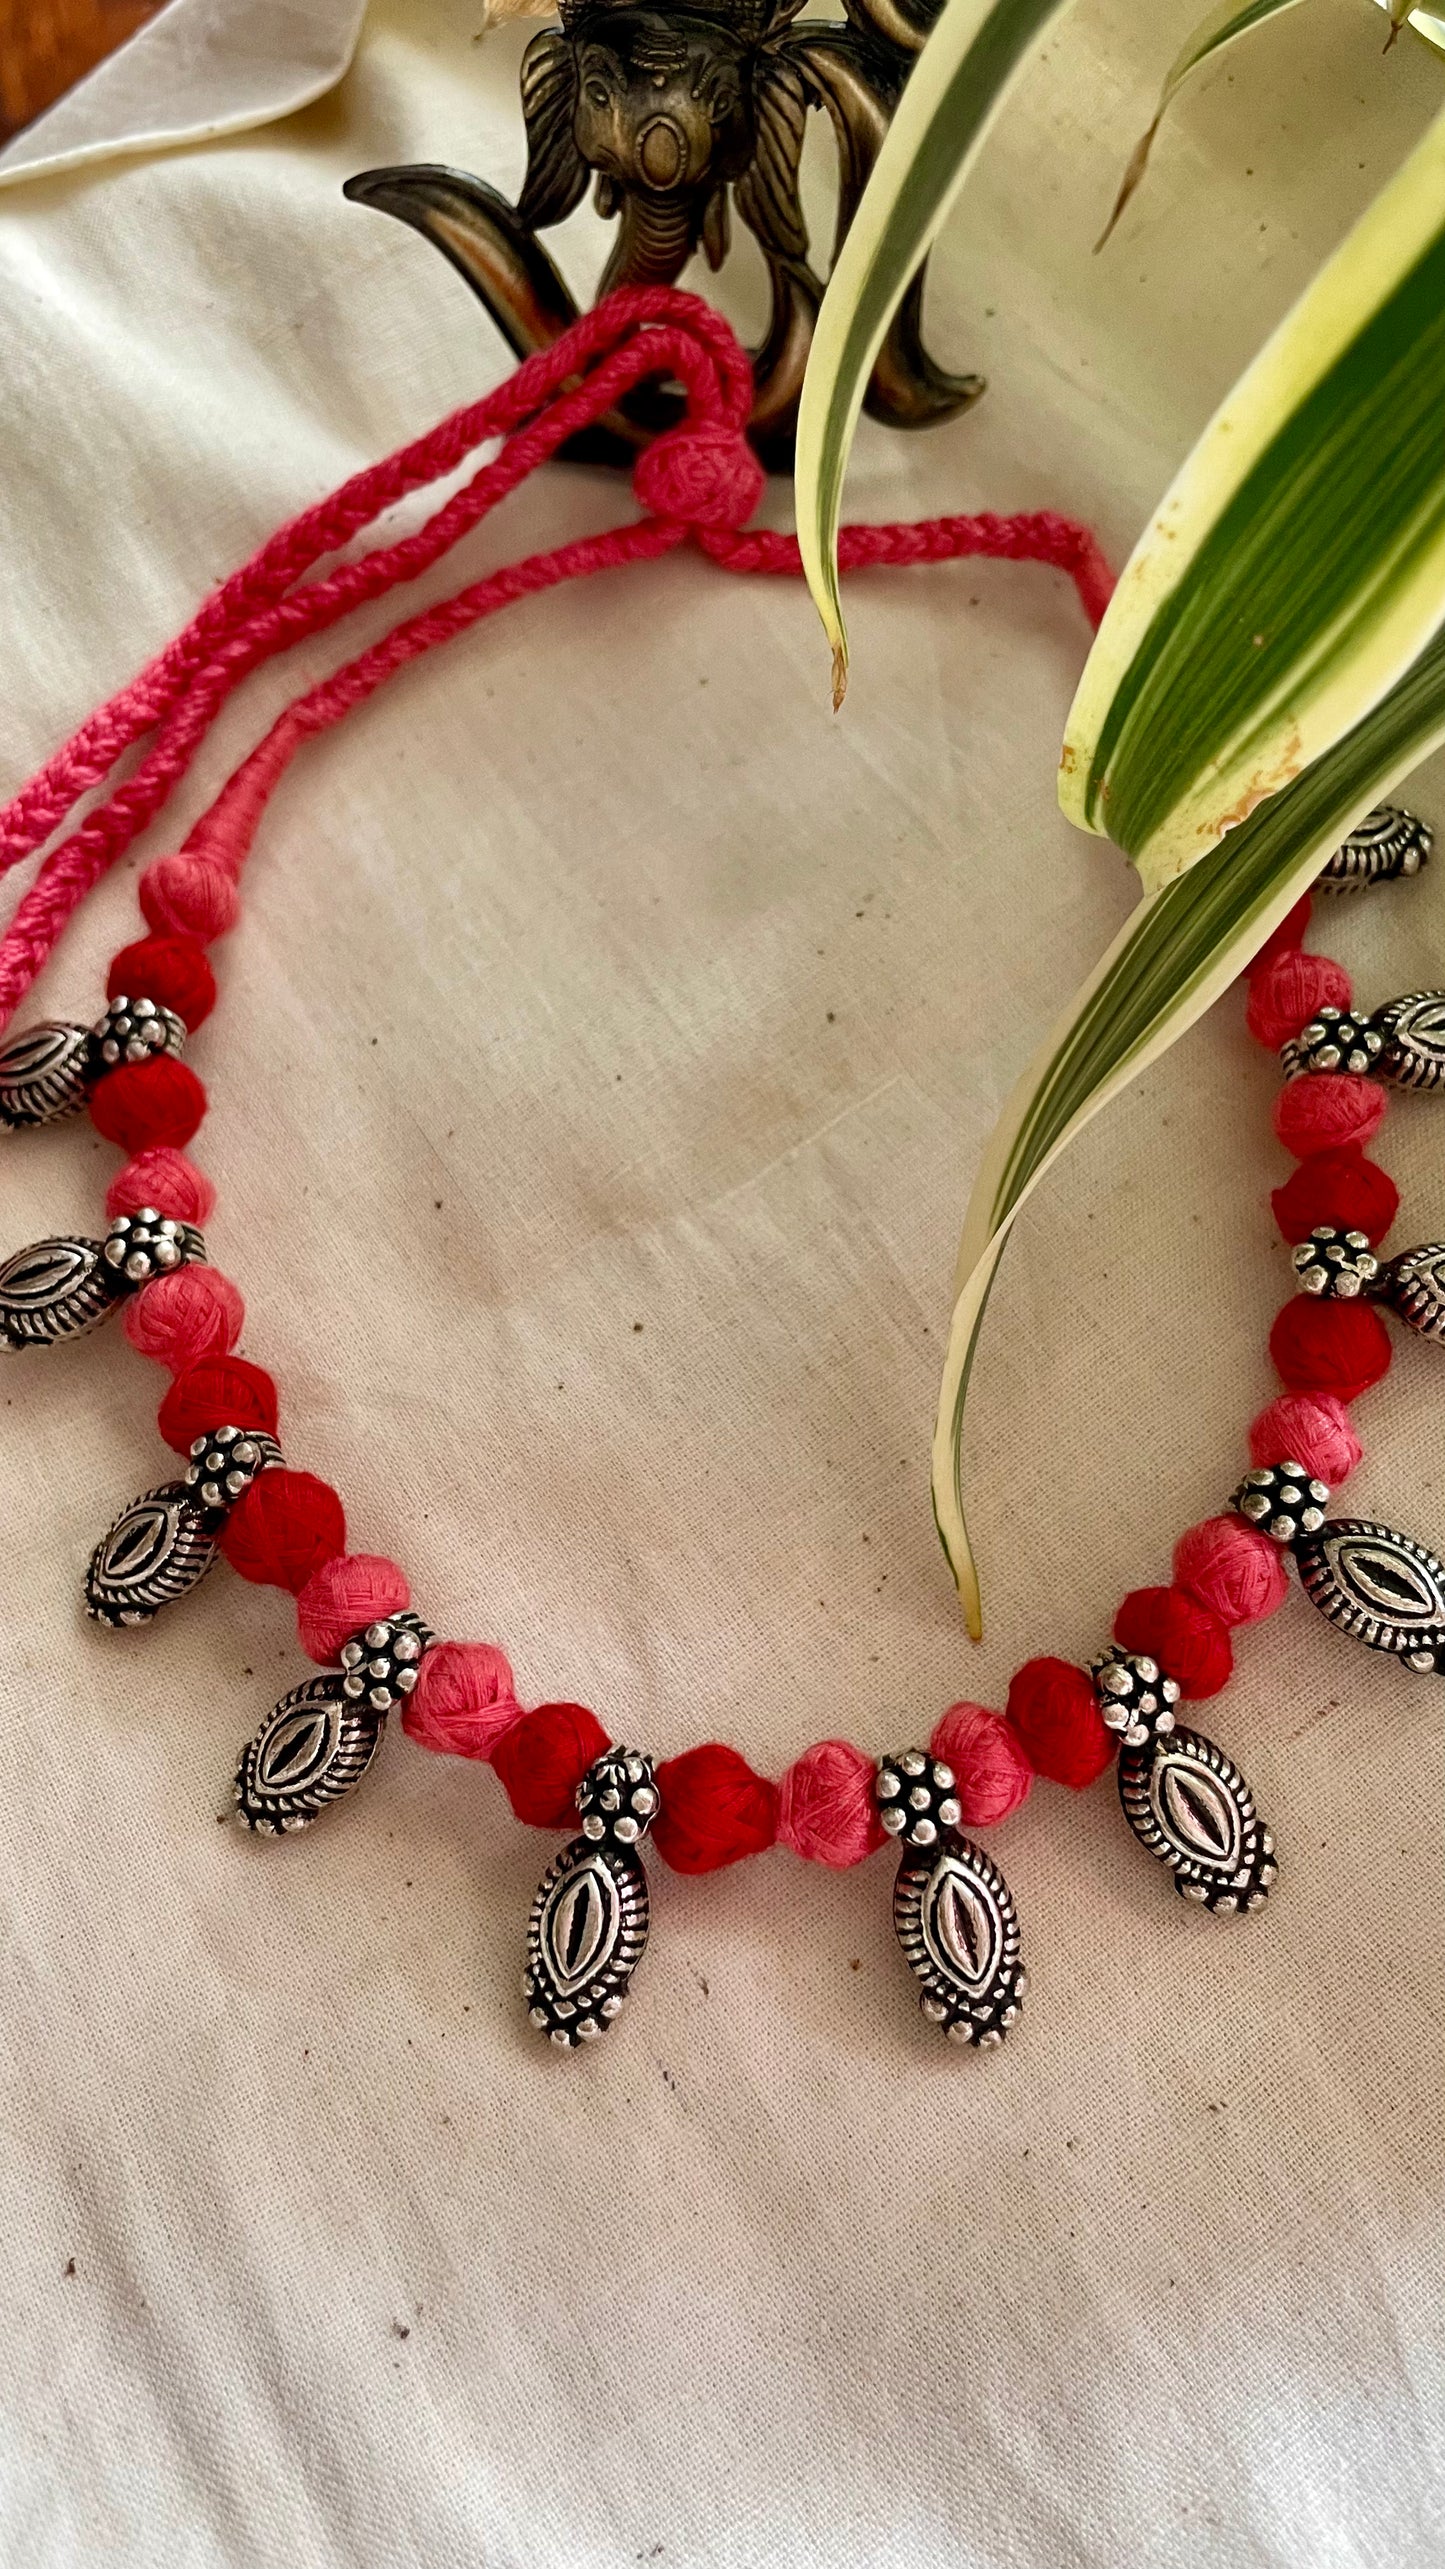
(680, 114)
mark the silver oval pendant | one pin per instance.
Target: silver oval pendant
(586, 1933)
(44, 1073)
(1413, 1284)
(54, 1289)
(954, 1916)
(312, 1751)
(1414, 1032)
(1388, 842)
(1378, 1585)
(1190, 1806)
(157, 1549)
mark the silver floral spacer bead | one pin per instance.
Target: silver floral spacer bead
(140, 1246)
(1339, 1265)
(917, 1797)
(226, 1461)
(379, 1666)
(618, 1798)
(1133, 1695)
(134, 1030)
(1281, 1500)
(1334, 1040)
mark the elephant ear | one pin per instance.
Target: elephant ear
(556, 179)
(767, 193)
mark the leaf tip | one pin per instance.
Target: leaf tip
(840, 674)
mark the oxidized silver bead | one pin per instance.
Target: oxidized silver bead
(954, 1916)
(1413, 1284)
(44, 1073)
(1134, 1697)
(1190, 1806)
(140, 1246)
(618, 1798)
(158, 1549)
(55, 1289)
(1388, 843)
(587, 1928)
(1334, 1040)
(1339, 1265)
(379, 1666)
(134, 1030)
(1380, 1586)
(311, 1751)
(917, 1797)
(226, 1461)
(1412, 1032)
(1282, 1500)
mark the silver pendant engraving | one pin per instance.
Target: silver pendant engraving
(587, 1928)
(1413, 1284)
(1388, 843)
(1414, 1032)
(1378, 1585)
(157, 1549)
(44, 1073)
(55, 1289)
(1190, 1806)
(310, 1752)
(955, 1919)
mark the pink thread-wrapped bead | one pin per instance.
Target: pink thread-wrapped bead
(1310, 1428)
(184, 1317)
(343, 1596)
(827, 1809)
(1237, 1573)
(1291, 989)
(992, 1774)
(1327, 1110)
(168, 1180)
(187, 896)
(464, 1701)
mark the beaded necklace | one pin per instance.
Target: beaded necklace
(1185, 1800)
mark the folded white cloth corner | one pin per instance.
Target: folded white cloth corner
(601, 1064)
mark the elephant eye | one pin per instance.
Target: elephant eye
(598, 94)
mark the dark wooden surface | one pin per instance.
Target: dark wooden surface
(47, 45)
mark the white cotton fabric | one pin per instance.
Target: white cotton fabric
(602, 1062)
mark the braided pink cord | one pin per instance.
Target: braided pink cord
(262, 611)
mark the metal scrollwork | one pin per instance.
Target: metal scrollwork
(681, 118)
(1190, 1806)
(588, 1924)
(310, 1752)
(1380, 1586)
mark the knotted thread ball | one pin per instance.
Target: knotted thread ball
(1235, 1572)
(1326, 1110)
(1339, 1347)
(180, 1319)
(225, 1391)
(1310, 1428)
(340, 1599)
(827, 1811)
(715, 1810)
(148, 1101)
(172, 970)
(1188, 1639)
(282, 1528)
(1339, 1186)
(188, 896)
(1285, 993)
(542, 1759)
(464, 1700)
(991, 1773)
(1053, 1708)
(699, 475)
(166, 1179)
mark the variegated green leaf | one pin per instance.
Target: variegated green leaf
(1297, 566)
(1223, 26)
(1180, 949)
(954, 92)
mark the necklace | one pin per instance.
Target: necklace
(1185, 1800)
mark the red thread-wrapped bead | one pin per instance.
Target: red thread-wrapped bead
(1285, 993)
(148, 1101)
(1283, 939)
(1341, 1187)
(1238, 1574)
(714, 1810)
(1309, 1428)
(1327, 1110)
(1339, 1347)
(171, 970)
(165, 1179)
(1187, 1638)
(992, 1776)
(827, 1807)
(226, 1391)
(347, 1592)
(542, 1759)
(283, 1528)
(464, 1700)
(1052, 1706)
(186, 896)
(182, 1318)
